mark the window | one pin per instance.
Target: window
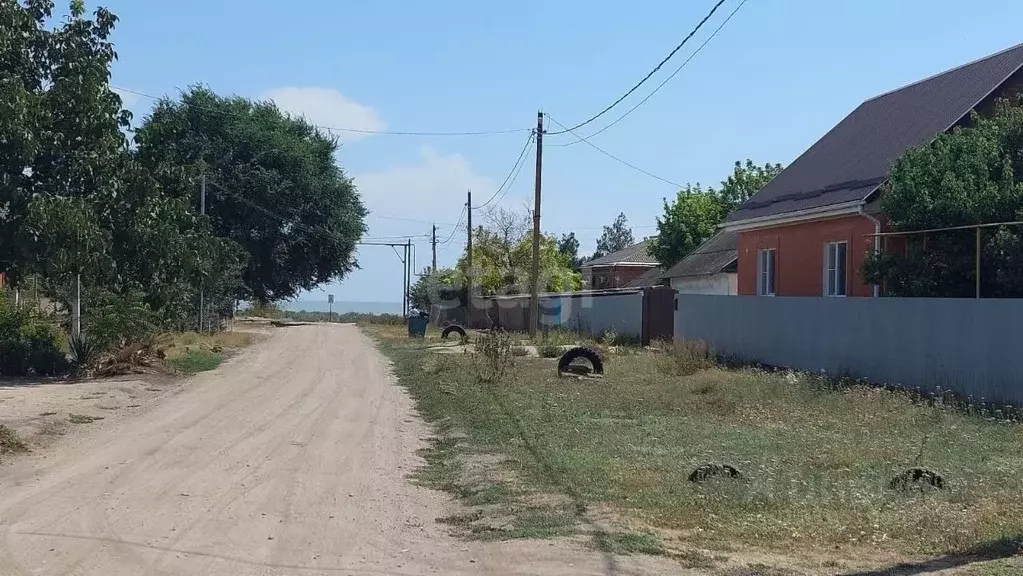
(765, 273)
(835, 263)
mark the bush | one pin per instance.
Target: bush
(119, 320)
(28, 344)
(492, 355)
(83, 353)
(684, 357)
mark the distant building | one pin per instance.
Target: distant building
(710, 269)
(618, 269)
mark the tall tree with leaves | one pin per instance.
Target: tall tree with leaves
(568, 247)
(972, 175)
(274, 187)
(615, 237)
(695, 213)
(745, 180)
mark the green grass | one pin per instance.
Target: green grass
(195, 360)
(817, 457)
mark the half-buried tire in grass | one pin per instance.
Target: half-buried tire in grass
(708, 471)
(454, 328)
(581, 361)
(917, 479)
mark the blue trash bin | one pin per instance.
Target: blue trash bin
(417, 326)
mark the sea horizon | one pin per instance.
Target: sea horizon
(342, 307)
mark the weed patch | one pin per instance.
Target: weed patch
(10, 443)
(83, 419)
(194, 361)
(629, 543)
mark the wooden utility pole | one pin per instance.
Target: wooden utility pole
(434, 242)
(202, 291)
(468, 257)
(404, 280)
(534, 277)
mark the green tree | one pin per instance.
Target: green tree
(615, 237)
(687, 222)
(568, 247)
(502, 259)
(274, 187)
(61, 122)
(695, 213)
(745, 180)
(441, 286)
(972, 175)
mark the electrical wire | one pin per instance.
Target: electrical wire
(666, 80)
(455, 227)
(514, 177)
(509, 178)
(613, 157)
(352, 130)
(647, 77)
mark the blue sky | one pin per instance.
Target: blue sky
(777, 77)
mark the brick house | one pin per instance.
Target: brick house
(617, 269)
(808, 231)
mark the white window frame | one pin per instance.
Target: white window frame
(767, 272)
(831, 290)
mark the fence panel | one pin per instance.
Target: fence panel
(966, 345)
(596, 314)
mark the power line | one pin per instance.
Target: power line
(613, 157)
(666, 80)
(455, 227)
(402, 219)
(513, 171)
(647, 77)
(352, 130)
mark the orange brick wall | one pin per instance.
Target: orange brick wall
(799, 260)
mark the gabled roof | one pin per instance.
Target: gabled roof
(635, 255)
(853, 158)
(651, 277)
(711, 257)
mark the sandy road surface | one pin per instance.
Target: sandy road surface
(290, 459)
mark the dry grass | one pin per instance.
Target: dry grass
(10, 443)
(192, 352)
(817, 457)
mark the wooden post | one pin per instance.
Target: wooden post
(977, 271)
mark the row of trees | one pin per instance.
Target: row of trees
(79, 199)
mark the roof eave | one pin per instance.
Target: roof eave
(808, 214)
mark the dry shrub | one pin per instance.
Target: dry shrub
(492, 355)
(684, 357)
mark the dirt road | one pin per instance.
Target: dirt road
(290, 459)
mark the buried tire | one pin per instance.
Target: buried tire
(712, 470)
(453, 328)
(566, 366)
(917, 479)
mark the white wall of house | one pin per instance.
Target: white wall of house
(722, 284)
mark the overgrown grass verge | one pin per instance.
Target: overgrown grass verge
(191, 352)
(817, 458)
(195, 360)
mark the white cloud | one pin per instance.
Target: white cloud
(327, 107)
(431, 189)
(127, 98)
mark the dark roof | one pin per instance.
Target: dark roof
(651, 277)
(711, 257)
(853, 159)
(635, 254)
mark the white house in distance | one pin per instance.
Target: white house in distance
(710, 269)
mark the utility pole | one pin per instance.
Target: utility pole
(202, 210)
(468, 257)
(534, 297)
(434, 242)
(404, 281)
(408, 276)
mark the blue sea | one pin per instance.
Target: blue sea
(342, 307)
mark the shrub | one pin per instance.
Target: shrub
(28, 344)
(684, 357)
(83, 353)
(118, 320)
(492, 355)
(519, 351)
